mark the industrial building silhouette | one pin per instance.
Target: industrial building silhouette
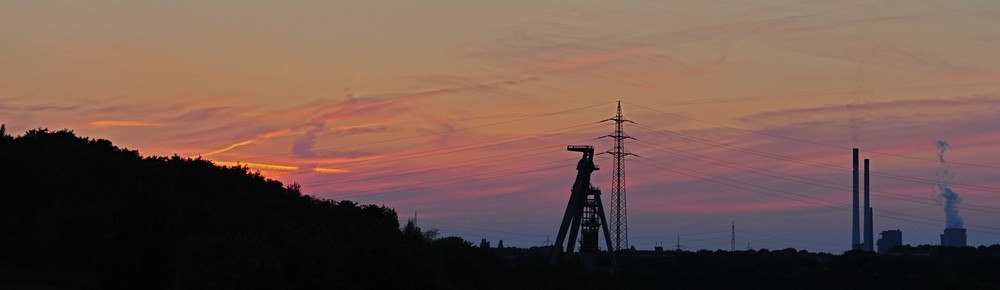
(953, 237)
(888, 240)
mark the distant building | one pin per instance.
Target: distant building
(953, 237)
(484, 244)
(889, 239)
(500, 244)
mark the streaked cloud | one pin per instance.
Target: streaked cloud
(257, 166)
(123, 123)
(914, 109)
(330, 170)
(258, 138)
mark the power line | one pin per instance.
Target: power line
(808, 162)
(765, 154)
(380, 175)
(451, 165)
(766, 191)
(683, 234)
(468, 147)
(409, 187)
(447, 131)
(740, 149)
(715, 179)
(801, 140)
(483, 160)
(800, 179)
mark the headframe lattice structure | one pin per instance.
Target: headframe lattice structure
(584, 213)
(619, 209)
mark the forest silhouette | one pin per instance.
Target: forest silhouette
(80, 213)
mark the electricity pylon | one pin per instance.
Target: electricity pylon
(619, 211)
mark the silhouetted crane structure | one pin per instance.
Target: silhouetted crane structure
(619, 211)
(584, 213)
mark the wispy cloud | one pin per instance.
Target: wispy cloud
(123, 123)
(203, 114)
(257, 166)
(37, 108)
(305, 146)
(914, 109)
(581, 61)
(254, 139)
(278, 167)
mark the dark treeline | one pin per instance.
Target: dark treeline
(79, 213)
(905, 267)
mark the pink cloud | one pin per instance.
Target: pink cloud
(971, 76)
(122, 123)
(580, 61)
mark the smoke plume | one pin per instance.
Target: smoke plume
(951, 198)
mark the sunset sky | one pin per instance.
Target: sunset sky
(460, 111)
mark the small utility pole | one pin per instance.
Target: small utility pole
(732, 238)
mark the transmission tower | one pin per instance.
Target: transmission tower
(619, 213)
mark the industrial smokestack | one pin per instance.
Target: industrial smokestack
(855, 228)
(869, 243)
(869, 240)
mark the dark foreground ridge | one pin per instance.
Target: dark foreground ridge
(77, 213)
(81, 213)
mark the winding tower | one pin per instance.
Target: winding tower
(584, 214)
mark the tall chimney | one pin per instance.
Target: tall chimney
(869, 240)
(869, 245)
(855, 229)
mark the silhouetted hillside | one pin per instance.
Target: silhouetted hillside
(81, 213)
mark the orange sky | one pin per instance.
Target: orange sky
(461, 110)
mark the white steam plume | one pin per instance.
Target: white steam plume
(951, 198)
